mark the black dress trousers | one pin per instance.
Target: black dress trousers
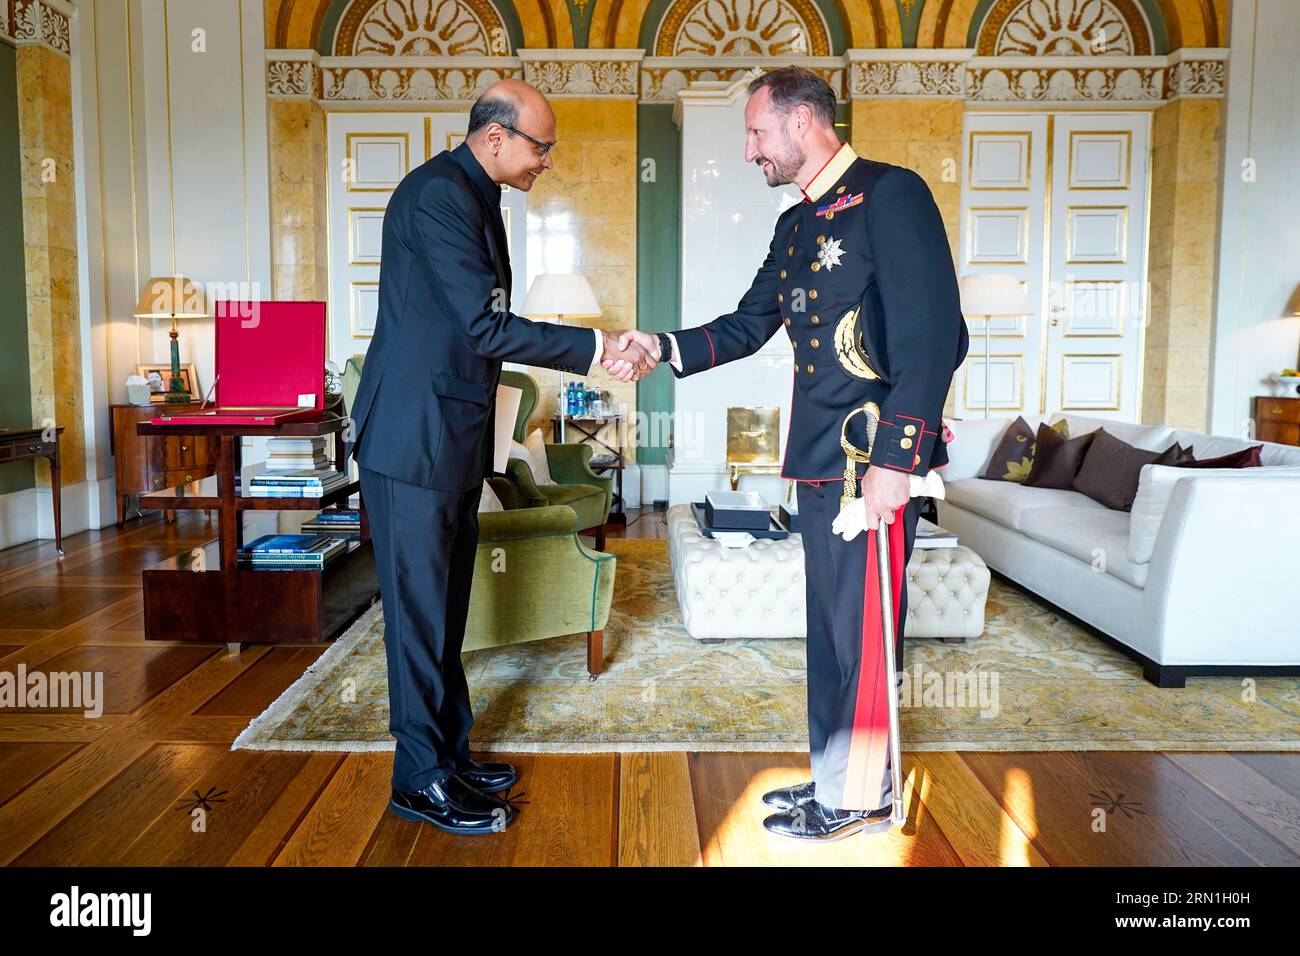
(424, 542)
(835, 580)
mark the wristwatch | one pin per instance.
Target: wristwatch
(665, 347)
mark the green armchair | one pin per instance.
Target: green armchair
(533, 578)
(576, 485)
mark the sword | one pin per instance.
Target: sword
(871, 416)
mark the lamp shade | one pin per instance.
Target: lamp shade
(558, 295)
(171, 297)
(993, 294)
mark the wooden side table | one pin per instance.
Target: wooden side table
(204, 595)
(147, 463)
(1277, 419)
(32, 443)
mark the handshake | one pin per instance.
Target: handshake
(630, 355)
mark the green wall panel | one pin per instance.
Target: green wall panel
(15, 378)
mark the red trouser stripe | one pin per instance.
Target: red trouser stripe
(869, 738)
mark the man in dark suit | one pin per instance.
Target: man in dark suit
(423, 422)
(861, 276)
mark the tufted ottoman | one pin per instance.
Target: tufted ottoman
(758, 591)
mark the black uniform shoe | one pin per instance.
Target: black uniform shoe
(455, 806)
(488, 777)
(788, 797)
(815, 821)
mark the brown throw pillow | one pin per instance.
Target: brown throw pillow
(1014, 456)
(1175, 455)
(1111, 468)
(1246, 458)
(1057, 459)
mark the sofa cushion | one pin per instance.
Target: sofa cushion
(1212, 446)
(1244, 458)
(1150, 437)
(1111, 469)
(1013, 457)
(1005, 502)
(1057, 458)
(1099, 538)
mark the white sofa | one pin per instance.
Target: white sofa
(1207, 588)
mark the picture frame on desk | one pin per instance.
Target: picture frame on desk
(157, 375)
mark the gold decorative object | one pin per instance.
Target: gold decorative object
(850, 350)
(853, 455)
(753, 442)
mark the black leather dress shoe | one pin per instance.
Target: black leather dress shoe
(788, 797)
(488, 777)
(815, 821)
(455, 806)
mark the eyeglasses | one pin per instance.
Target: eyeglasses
(544, 147)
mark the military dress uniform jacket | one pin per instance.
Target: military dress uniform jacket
(867, 236)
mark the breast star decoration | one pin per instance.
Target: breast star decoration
(829, 254)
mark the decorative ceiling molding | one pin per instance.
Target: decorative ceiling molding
(46, 23)
(421, 28)
(583, 73)
(663, 77)
(355, 82)
(742, 28)
(955, 74)
(1064, 28)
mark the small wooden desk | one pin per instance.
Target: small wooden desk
(205, 596)
(32, 443)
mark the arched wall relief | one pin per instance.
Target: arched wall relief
(1064, 28)
(421, 28)
(718, 28)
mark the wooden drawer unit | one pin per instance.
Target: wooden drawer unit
(1277, 420)
(151, 463)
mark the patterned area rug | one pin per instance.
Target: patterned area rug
(1033, 681)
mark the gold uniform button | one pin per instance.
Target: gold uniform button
(782, 273)
(796, 227)
(916, 461)
(816, 267)
(830, 216)
(840, 190)
(780, 297)
(794, 344)
(821, 240)
(796, 369)
(787, 320)
(812, 293)
(905, 443)
(909, 431)
(814, 343)
(816, 319)
(810, 368)
(790, 251)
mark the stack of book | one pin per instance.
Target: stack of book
(340, 521)
(302, 552)
(307, 483)
(296, 454)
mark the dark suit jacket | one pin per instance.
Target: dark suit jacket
(890, 258)
(424, 409)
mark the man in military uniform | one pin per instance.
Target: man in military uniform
(860, 276)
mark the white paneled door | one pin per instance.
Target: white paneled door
(1060, 201)
(369, 153)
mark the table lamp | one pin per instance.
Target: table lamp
(554, 297)
(990, 295)
(172, 297)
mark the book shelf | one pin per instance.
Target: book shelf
(204, 595)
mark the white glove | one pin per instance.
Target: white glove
(852, 519)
